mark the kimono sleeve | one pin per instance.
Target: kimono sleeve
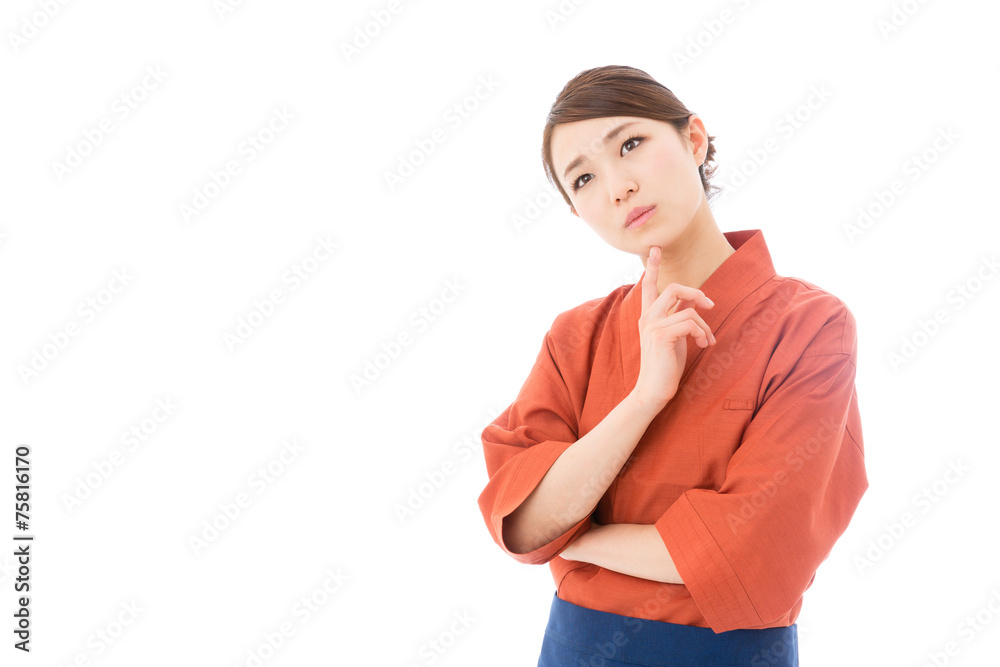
(748, 551)
(524, 441)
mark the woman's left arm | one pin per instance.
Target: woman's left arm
(630, 548)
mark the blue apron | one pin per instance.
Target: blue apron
(580, 637)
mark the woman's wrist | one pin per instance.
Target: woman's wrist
(643, 406)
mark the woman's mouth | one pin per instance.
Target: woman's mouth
(639, 215)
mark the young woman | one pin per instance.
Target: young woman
(686, 450)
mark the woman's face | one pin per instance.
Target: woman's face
(645, 163)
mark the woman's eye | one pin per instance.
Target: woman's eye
(577, 184)
(632, 140)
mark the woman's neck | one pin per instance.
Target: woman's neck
(691, 261)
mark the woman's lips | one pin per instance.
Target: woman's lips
(643, 217)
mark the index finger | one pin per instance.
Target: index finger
(649, 278)
(680, 296)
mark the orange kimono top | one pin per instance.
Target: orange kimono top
(750, 473)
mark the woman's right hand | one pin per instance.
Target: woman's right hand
(664, 325)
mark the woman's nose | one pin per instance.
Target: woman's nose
(623, 190)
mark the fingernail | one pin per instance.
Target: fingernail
(710, 302)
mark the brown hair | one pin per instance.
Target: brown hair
(619, 90)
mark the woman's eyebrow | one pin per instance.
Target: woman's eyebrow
(580, 159)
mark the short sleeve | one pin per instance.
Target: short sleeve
(748, 551)
(522, 444)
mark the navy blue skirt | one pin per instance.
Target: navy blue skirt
(577, 637)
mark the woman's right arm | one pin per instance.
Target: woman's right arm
(573, 485)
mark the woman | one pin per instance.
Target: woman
(685, 451)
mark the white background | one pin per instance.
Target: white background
(163, 335)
